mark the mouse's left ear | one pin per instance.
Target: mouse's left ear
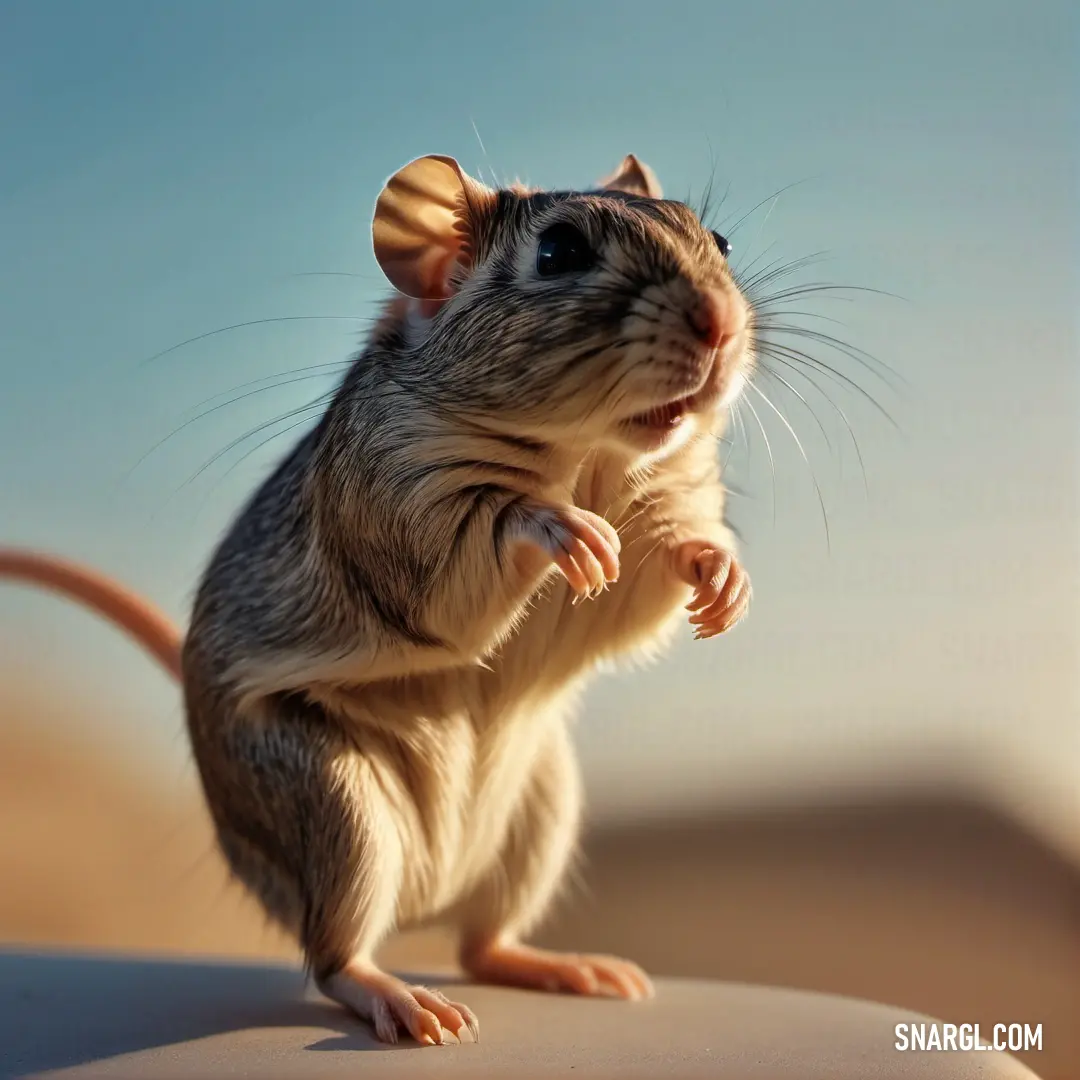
(633, 177)
(424, 225)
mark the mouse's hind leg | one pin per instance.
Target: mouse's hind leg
(304, 823)
(507, 904)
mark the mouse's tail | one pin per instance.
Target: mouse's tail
(149, 626)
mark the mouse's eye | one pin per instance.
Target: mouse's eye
(563, 250)
(723, 244)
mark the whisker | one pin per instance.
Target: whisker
(255, 449)
(764, 221)
(747, 444)
(774, 195)
(644, 559)
(740, 270)
(832, 404)
(798, 443)
(824, 287)
(776, 270)
(326, 368)
(634, 517)
(740, 429)
(762, 317)
(877, 367)
(768, 447)
(244, 325)
(259, 445)
(335, 273)
(476, 132)
(311, 408)
(784, 382)
(231, 401)
(797, 356)
(705, 213)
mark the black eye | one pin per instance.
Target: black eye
(723, 244)
(563, 250)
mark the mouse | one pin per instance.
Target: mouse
(516, 483)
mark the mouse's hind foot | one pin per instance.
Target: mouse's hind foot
(393, 1006)
(576, 973)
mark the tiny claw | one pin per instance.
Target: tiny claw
(468, 1023)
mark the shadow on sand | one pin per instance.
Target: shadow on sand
(61, 1011)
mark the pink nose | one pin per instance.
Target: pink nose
(710, 319)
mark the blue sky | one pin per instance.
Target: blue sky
(170, 169)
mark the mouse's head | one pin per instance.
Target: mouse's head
(607, 316)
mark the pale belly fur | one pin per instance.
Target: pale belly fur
(453, 751)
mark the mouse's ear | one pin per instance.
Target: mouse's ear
(633, 177)
(424, 222)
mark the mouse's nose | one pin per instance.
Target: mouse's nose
(712, 318)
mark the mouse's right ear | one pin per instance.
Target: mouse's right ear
(425, 222)
(633, 177)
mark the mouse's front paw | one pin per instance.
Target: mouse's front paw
(721, 586)
(581, 544)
